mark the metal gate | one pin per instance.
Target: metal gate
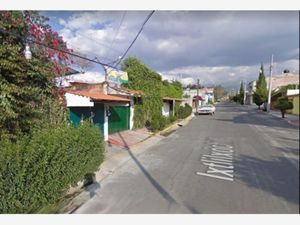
(94, 114)
(118, 119)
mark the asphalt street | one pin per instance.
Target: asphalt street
(237, 161)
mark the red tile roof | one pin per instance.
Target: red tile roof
(127, 91)
(99, 96)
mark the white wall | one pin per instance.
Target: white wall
(166, 109)
(131, 114)
(292, 92)
(105, 126)
(77, 100)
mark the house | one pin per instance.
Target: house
(206, 96)
(293, 96)
(111, 109)
(169, 106)
(277, 82)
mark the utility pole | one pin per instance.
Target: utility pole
(245, 93)
(197, 102)
(270, 86)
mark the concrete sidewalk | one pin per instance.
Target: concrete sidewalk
(129, 138)
(290, 118)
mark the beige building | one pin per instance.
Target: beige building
(277, 82)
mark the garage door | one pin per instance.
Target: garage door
(86, 113)
(118, 119)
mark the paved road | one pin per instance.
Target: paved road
(238, 161)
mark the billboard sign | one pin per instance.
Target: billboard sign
(117, 76)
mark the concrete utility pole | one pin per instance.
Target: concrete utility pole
(244, 93)
(270, 86)
(197, 102)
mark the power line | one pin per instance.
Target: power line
(142, 27)
(90, 52)
(120, 25)
(98, 43)
(56, 49)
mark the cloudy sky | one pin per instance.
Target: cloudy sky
(220, 47)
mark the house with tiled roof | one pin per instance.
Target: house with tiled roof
(109, 108)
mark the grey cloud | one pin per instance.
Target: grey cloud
(175, 41)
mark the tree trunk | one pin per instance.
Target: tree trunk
(282, 113)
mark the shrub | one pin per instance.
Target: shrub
(184, 111)
(283, 104)
(171, 119)
(158, 122)
(38, 170)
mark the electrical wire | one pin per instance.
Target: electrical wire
(56, 49)
(142, 27)
(118, 30)
(98, 43)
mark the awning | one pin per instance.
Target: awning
(198, 98)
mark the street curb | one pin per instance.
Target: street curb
(296, 125)
(176, 125)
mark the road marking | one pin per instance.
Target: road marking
(217, 165)
(222, 154)
(225, 172)
(219, 162)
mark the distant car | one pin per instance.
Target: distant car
(206, 109)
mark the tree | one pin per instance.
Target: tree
(259, 97)
(219, 92)
(261, 92)
(283, 104)
(83, 64)
(27, 87)
(242, 92)
(141, 77)
(261, 82)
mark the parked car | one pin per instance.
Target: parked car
(206, 109)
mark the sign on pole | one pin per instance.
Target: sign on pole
(117, 76)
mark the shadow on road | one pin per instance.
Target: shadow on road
(93, 188)
(277, 176)
(154, 183)
(257, 118)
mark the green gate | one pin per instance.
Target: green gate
(118, 119)
(96, 114)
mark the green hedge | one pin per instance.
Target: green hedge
(184, 111)
(158, 122)
(38, 170)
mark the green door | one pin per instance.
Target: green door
(96, 114)
(79, 113)
(118, 119)
(98, 119)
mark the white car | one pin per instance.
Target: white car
(206, 109)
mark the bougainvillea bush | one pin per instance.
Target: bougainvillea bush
(27, 86)
(41, 154)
